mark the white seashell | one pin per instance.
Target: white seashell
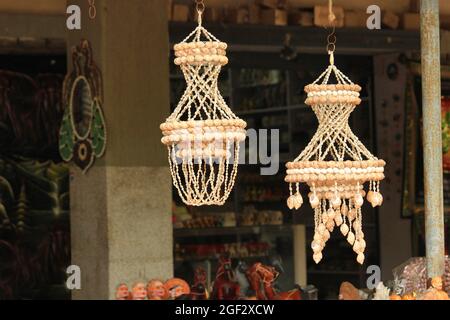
(290, 202)
(344, 229)
(331, 214)
(360, 258)
(344, 209)
(351, 214)
(338, 219)
(358, 200)
(377, 199)
(314, 201)
(356, 247)
(330, 225)
(316, 246)
(326, 235)
(298, 201)
(351, 238)
(336, 202)
(317, 257)
(321, 229)
(324, 217)
(362, 244)
(356, 225)
(369, 196)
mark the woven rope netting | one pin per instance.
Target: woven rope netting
(334, 140)
(335, 165)
(202, 134)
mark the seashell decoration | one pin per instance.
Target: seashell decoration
(335, 165)
(202, 135)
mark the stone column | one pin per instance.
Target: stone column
(121, 209)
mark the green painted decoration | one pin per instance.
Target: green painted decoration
(82, 136)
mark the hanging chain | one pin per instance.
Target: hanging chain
(92, 9)
(331, 39)
(200, 7)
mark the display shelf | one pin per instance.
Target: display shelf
(200, 259)
(331, 272)
(203, 232)
(265, 38)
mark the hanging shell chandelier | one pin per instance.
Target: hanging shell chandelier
(202, 135)
(335, 164)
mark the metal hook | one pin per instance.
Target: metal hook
(92, 9)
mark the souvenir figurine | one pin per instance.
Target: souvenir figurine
(139, 291)
(177, 288)
(229, 219)
(381, 292)
(435, 292)
(122, 292)
(348, 291)
(276, 218)
(409, 296)
(156, 290)
(262, 279)
(198, 289)
(241, 277)
(226, 286)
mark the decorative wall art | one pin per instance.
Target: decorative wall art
(335, 164)
(413, 185)
(202, 135)
(34, 182)
(82, 135)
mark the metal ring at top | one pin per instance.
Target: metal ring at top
(331, 38)
(200, 7)
(331, 47)
(92, 9)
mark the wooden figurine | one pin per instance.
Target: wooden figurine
(436, 291)
(409, 296)
(348, 291)
(156, 290)
(199, 289)
(262, 278)
(122, 292)
(226, 286)
(139, 291)
(177, 288)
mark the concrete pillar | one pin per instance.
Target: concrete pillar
(121, 209)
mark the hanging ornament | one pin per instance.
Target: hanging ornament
(202, 135)
(82, 136)
(335, 164)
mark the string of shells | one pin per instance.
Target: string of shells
(202, 134)
(335, 165)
